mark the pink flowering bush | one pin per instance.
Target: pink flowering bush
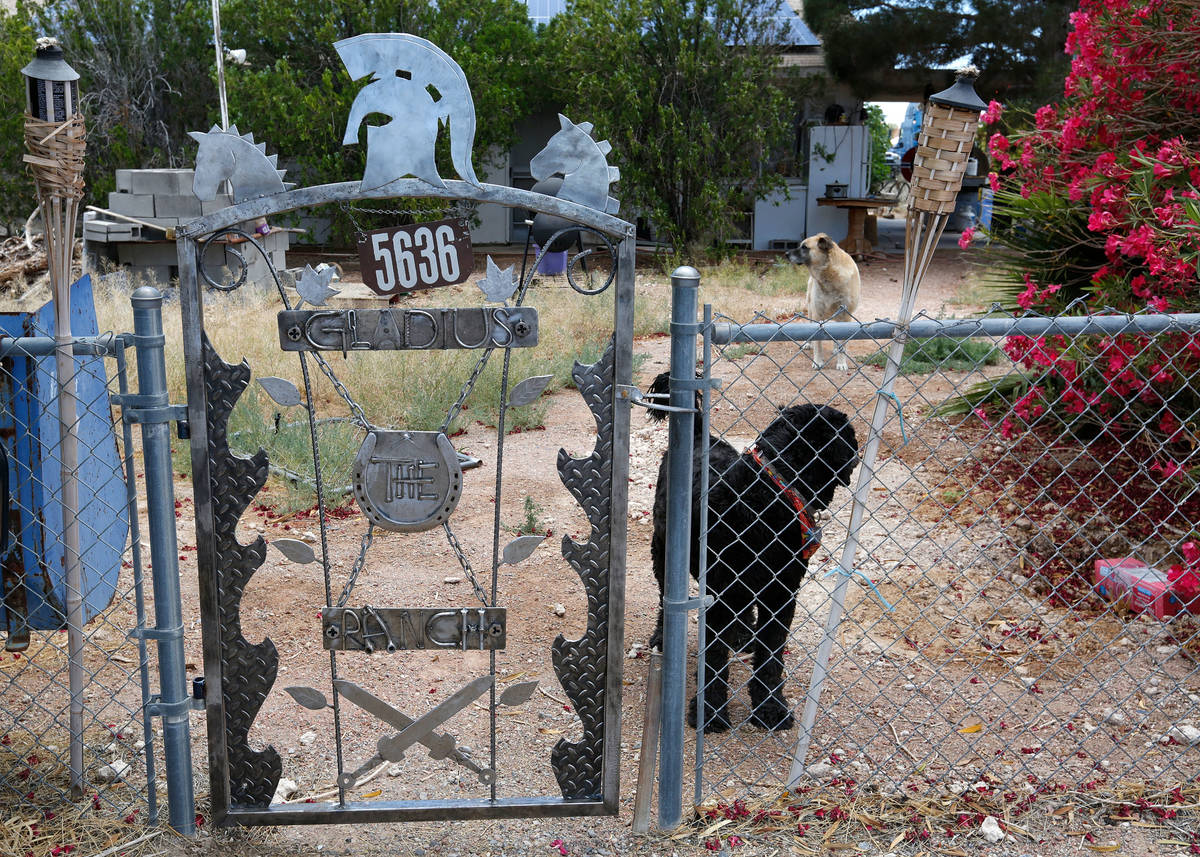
(1097, 199)
(1185, 577)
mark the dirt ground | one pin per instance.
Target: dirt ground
(544, 599)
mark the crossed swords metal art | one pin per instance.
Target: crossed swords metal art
(441, 745)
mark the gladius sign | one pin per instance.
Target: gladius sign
(418, 256)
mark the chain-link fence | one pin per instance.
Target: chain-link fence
(1016, 620)
(44, 803)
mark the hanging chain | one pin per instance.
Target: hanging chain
(457, 209)
(359, 562)
(357, 413)
(456, 408)
(480, 593)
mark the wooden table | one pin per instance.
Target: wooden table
(855, 242)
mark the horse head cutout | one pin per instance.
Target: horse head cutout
(583, 164)
(227, 155)
(419, 87)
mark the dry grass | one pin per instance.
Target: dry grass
(839, 817)
(44, 823)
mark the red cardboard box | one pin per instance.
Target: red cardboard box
(1152, 593)
(1114, 578)
(1131, 581)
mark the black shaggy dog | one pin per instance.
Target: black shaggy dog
(761, 505)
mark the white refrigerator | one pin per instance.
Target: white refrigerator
(837, 154)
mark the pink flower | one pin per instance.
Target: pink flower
(1167, 469)
(560, 845)
(964, 240)
(992, 115)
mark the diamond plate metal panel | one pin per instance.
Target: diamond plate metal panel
(581, 665)
(248, 669)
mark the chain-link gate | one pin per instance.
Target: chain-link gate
(59, 783)
(394, 665)
(1022, 627)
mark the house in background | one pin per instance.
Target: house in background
(830, 146)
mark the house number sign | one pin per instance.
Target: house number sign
(417, 256)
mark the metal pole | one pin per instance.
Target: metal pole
(173, 703)
(220, 49)
(685, 283)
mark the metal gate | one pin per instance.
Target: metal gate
(372, 709)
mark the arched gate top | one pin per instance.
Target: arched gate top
(308, 197)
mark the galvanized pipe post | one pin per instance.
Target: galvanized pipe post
(685, 282)
(155, 415)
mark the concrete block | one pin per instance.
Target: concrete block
(215, 256)
(167, 182)
(125, 180)
(138, 205)
(142, 254)
(154, 234)
(223, 200)
(108, 230)
(176, 205)
(152, 275)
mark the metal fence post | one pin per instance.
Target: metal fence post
(685, 283)
(155, 415)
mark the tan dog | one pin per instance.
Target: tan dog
(833, 287)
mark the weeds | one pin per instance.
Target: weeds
(922, 356)
(532, 525)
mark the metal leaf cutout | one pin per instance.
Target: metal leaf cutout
(313, 285)
(295, 550)
(311, 698)
(520, 548)
(528, 390)
(283, 391)
(518, 694)
(499, 283)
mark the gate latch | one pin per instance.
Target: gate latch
(648, 400)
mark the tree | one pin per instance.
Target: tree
(148, 74)
(17, 197)
(1017, 44)
(881, 141)
(144, 78)
(690, 96)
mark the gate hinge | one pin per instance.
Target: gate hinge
(155, 707)
(138, 409)
(156, 634)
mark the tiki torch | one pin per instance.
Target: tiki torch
(945, 142)
(54, 136)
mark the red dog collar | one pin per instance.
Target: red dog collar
(811, 533)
